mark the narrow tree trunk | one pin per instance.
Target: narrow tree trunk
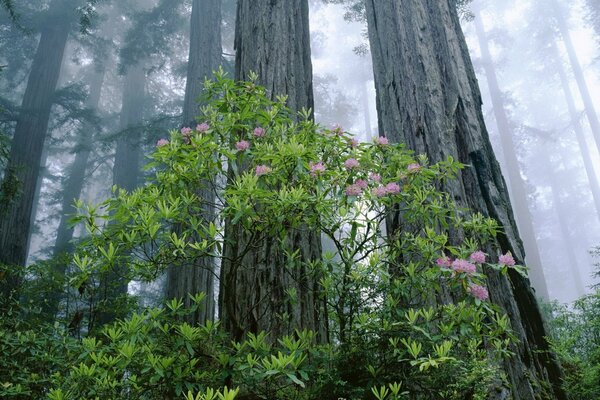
(428, 98)
(72, 188)
(204, 58)
(272, 39)
(125, 175)
(26, 150)
(518, 191)
(367, 111)
(590, 109)
(583, 147)
(568, 242)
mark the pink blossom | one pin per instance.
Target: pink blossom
(392, 188)
(258, 132)
(444, 262)
(351, 163)
(354, 143)
(413, 167)
(382, 140)
(162, 142)
(337, 129)
(361, 183)
(477, 257)
(461, 266)
(186, 131)
(507, 259)
(375, 177)
(353, 190)
(379, 191)
(262, 170)
(316, 169)
(242, 145)
(479, 292)
(203, 127)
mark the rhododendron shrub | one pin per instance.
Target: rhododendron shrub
(409, 313)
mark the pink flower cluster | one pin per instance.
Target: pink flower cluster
(382, 141)
(351, 163)
(316, 168)
(262, 170)
(258, 132)
(374, 177)
(477, 257)
(413, 167)
(390, 188)
(354, 190)
(354, 143)
(242, 145)
(162, 142)
(463, 266)
(185, 131)
(444, 262)
(507, 259)
(203, 127)
(479, 292)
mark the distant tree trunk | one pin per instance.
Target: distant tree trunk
(428, 98)
(590, 109)
(125, 172)
(594, 17)
(574, 115)
(72, 188)
(518, 191)
(272, 39)
(204, 57)
(568, 242)
(26, 150)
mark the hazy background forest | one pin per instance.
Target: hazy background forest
(525, 50)
(121, 89)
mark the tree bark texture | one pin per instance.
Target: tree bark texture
(428, 98)
(27, 148)
(272, 39)
(204, 58)
(258, 281)
(205, 53)
(517, 187)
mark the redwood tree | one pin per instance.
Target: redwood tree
(272, 40)
(204, 58)
(28, 143)
(428, 98)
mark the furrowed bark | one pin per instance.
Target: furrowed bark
(428, 98)
(204, 58)
(272, 39)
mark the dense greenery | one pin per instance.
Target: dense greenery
(575, 331)
(408, 311)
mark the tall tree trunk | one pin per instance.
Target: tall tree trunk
(27, 147)
(590, 109)
(428, 98)
(367, 111)
(72, 188)
(125, 174)
(272, 39)
(204, 57)
(574, 115)
(518, 191)
(568, 242)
